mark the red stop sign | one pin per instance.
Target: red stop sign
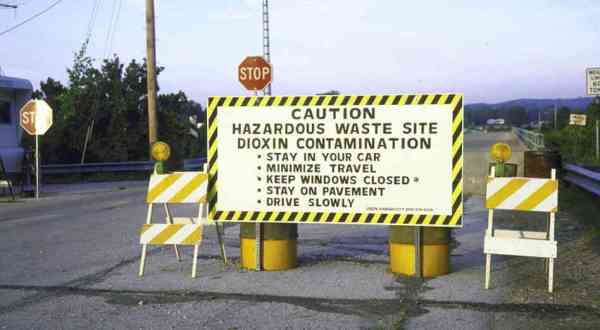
(255, 73)
(36, 117)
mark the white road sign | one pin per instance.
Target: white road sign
(577, 119)
(593, 81)
(371, 158)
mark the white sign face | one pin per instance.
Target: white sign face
(577, 119)
(394, 162)
(43, 120)
(593, 81)
(386, 159)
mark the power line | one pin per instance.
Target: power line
(110, 27)
(91, 24)
(13, 4)
(111, 36)
(31, 18)
(92, 21)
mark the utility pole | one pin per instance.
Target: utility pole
(151, 74)
(259, 228)
(266, 42)
(597, 139)
(555, 110)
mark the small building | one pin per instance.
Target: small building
(14, 93)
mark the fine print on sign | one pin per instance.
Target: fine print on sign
(36, 117)
(577, 119)
(593, 81)
(380, 159)
(255, 73)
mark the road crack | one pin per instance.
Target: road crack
(362, 307)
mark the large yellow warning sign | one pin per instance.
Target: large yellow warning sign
(378, 159)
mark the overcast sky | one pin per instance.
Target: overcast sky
(489, 50)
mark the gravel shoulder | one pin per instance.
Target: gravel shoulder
(577, 268)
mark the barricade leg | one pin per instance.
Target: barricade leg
(195, 262)
(551, 238)
(550, 274)
(12, 193)
(170, 221)
(547, 260)
(144, 246)
(220, 234)
(488, 270)
(143, 260)
(489, 232)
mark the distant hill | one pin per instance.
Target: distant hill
(580, 103)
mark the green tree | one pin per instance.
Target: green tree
(577, 143)
(562, 117)
(516, 115)
(112, 99)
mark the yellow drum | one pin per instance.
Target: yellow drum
(279, 246)
(435, 252)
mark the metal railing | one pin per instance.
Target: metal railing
(194, 164)
(580, 176)
(583, 178)
(133, 166)
(533, 140)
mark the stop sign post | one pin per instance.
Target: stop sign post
(255, 73)
(35, 118)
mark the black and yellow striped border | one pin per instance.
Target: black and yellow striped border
(455, 101)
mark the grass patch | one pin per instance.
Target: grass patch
(583, 207)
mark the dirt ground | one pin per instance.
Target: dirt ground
(577, 267)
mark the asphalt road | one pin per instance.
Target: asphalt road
(477, 157)
(69, 261)
(478, 141)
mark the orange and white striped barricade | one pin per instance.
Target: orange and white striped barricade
(177, 188)
(521, 194)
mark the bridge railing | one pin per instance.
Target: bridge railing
(533, 140)
(582, 177)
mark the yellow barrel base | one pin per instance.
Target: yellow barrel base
(435, 259)
(277, 254)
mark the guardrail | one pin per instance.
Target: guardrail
(132, 166)
(533, 140)
(580, 176)
(583, 178)
(194, 164)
